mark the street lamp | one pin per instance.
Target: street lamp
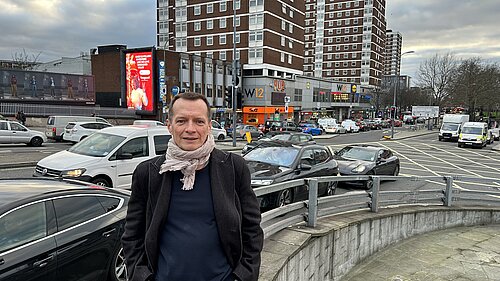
(393, 115)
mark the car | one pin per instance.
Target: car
(291, 137)
(107, 157)
(218, 132)
(311, 129)
(57, 123)
(350, 126)
(61, 230)
(241, 131)
(3, 117)
(366, 160)
(496, 133)
(283, 161)
(334, 129)
(151, 123)
(13, 132)
(274, 127)
(475, 134)
(77, 131)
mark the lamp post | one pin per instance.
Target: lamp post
(396, 85)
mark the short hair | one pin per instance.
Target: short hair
(187, 96)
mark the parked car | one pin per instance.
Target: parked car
(282, 162)
(350, 126)
(367, 160)
(291, 137)
(241, 131)
(57, 123)
(311, 129)
(15, 132)
(218, 132)
(334, 129)
(271, 126)
(107, 157)
(151, 123)
(61, 230)
(77, 131)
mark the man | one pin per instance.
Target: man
(192, 213)
(13, 86)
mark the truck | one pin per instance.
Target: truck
(452, 125)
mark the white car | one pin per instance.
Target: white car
(15, 132)
(107, 157)
(335, 129)
(150, 123)
(77, 131)
(350, 126)
(218, 132)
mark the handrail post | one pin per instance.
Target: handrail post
(375, 193)
(448, 194)
(313, 202)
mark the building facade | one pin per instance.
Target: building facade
(392, 57)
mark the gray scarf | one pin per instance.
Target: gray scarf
(188, 162)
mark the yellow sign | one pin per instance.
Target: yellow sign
(249, 137)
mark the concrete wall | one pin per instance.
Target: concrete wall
(338, 243)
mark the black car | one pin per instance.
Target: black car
(292, 137)
(60, 230)
(367, 160)
(284, 161)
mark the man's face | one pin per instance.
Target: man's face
(189, 124)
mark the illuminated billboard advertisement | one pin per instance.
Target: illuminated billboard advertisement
(139, 80)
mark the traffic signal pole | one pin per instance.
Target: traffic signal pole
(235, 115)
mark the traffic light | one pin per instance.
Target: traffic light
(228, 96)
(239, 99)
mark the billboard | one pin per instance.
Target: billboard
(139, 80)
(17, 84)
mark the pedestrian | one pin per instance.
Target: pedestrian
(33, 86)
(13, 86)
(192, 213)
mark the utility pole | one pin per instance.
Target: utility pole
(235, 68)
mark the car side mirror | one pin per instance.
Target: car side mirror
(124, 156)
(305, 167)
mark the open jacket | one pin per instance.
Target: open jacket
(236, 211)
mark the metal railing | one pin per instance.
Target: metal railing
(45, 110)
(441, 192)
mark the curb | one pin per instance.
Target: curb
(412, 136)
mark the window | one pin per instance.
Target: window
(222, 39)
(289, 59)
(137, 148)
(197, 41)
(283, 25)
(290, 28)
(222, 6)
(290, 44)
(222, 23)
(282, 59)
(255, 36)
(22, 226)
(236, 4)
(197, 88)
(283, 8)
(209, 90)
(222, 55)
(210, 24)
(197, 10)
(210, 40)
(71, 211)
(237, 40)
(282, 41)
(255, 53)
(256, 19)
(291, 13)
(210, 8)
(237, 21)
(161, 143)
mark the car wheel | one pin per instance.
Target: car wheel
(459, 145)
(101, 181)
(396, 171)
(368, 184)
(118, 269)
(220, 137)
(331, 188)
(36, 141)
(284, 198)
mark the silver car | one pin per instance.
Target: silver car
(15, 132)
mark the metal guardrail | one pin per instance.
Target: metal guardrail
(442, 192)
(45, 110)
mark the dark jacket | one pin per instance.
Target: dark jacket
(236, 210)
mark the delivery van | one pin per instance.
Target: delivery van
(57, 123)
(452, 125)
(474, 134)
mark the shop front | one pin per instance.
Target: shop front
(255, 115)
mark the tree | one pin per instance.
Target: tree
(25, 61)
(436, 73)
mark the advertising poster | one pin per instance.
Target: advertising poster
(139, 80)
(16, 84)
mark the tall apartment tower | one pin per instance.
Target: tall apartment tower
(392, 60)
(345, 40)
(269, 34)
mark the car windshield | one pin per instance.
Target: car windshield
(98, 145)
(472, 130)
(357, 153)
(280, 156)
(450, 127)
(282, 137)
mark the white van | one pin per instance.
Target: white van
(452, 125)
(56, 124)
(474, 134)
(107, 157)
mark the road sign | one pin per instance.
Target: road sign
(175, 90)
(287, 99)
(426, 111)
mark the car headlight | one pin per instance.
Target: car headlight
(359, 169)
(73, 173)
(261, 182)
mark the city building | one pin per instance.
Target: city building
(392, 57)
(77, 65)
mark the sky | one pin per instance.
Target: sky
(52, 29)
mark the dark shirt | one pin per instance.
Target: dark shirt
(190, 248)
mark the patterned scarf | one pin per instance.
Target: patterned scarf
(188, 162)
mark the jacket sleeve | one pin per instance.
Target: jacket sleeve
(252, 235)
(135, 227)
